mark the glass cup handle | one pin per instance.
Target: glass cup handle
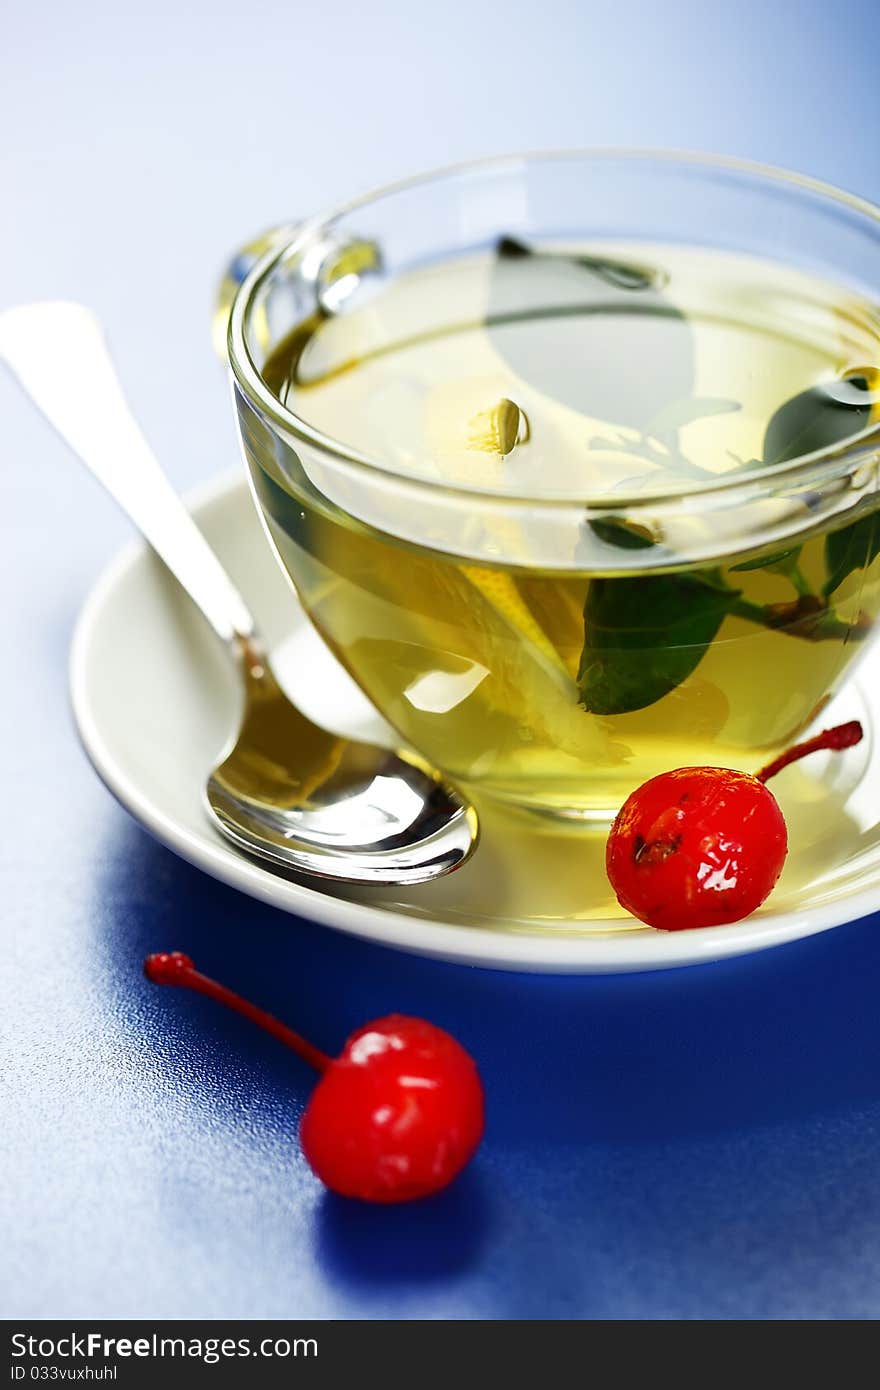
(237, 270)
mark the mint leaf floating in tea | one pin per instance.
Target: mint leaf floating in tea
(646, 634)
(626, 535)
(595, 333)
(620, 273)
(786, 563)
(856, 546)
(779, 562)
(820, 417)
(853, 547)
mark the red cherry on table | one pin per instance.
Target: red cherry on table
(396, 1116)
(702, 846)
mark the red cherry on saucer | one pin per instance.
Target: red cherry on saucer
(702, 846)
(396, 1116)
(696, 847)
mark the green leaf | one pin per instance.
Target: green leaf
(780, 562)
(644, 635)
(853, 547)
(626, 535)
(623, 274)
(510, 248)
(817, 419)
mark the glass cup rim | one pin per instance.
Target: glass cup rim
(847, 454)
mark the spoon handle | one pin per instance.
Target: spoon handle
(58, 353)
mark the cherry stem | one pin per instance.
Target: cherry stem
(174, 968)
(842, 736)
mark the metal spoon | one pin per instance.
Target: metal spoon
(286, 790)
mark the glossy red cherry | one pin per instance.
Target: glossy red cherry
(396, 1116)
(702, 846)
(696, 847)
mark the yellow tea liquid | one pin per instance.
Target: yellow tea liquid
(587, 371)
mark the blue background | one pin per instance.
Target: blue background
(703, 1143)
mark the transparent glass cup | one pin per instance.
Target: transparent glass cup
(459, 608)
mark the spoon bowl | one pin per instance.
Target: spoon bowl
(343, 810)
(286, 790)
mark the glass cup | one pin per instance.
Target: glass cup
(543, 646)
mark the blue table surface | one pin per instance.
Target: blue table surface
(701, 1143)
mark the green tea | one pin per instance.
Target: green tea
(601, 372)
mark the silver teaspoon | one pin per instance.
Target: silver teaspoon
(286, 790)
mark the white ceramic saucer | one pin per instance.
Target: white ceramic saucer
(155, 698)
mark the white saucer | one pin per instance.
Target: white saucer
(155, 698)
